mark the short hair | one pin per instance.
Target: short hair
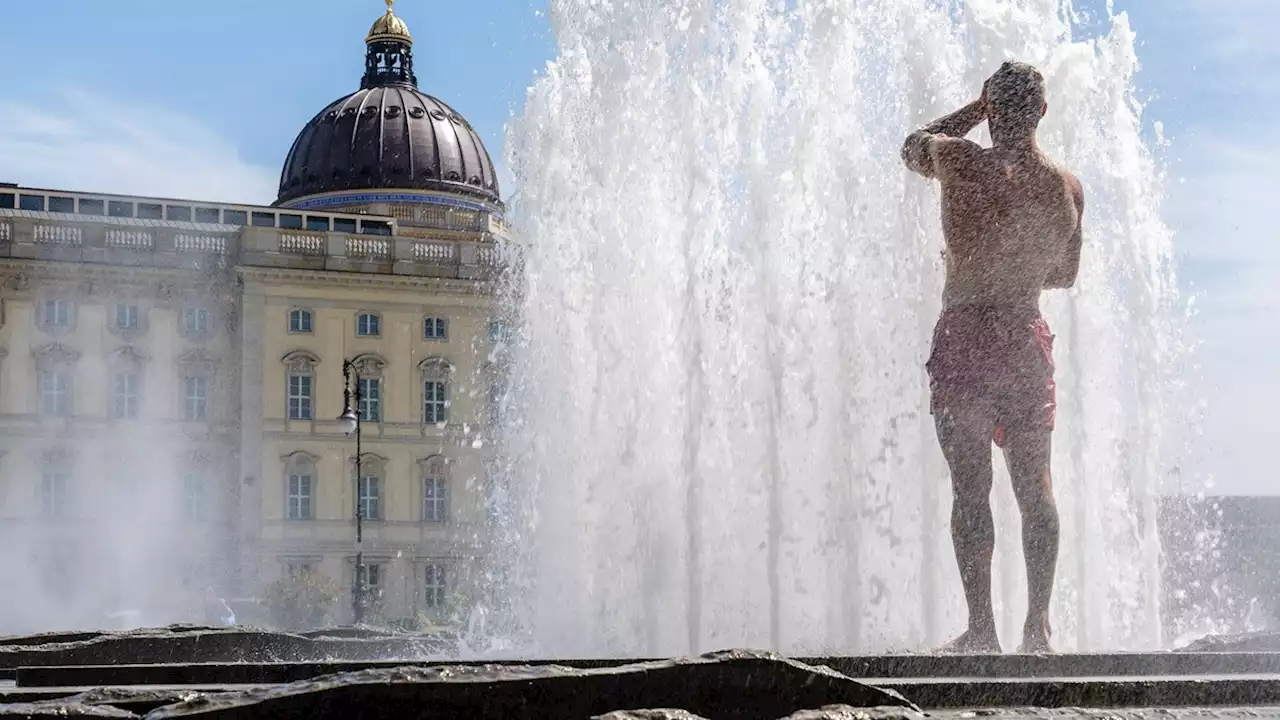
(1015, 95)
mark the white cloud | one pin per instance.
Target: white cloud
(80, 141)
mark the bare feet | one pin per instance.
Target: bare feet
(1035, 638)
(972, 642)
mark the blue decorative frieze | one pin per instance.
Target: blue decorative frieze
(371, 198)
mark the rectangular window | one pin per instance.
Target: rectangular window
(368, 325)
(57, 312)
(498, 332)
(296, 568)
(127, 316)
(128, 396)
(435, 328)
(264, 219)
(300, 321)
(178, 213)
(119, 208)
(375, 227)
(150, 211)
(62, 204)
(194, 505)
(210, 215)
(195, 321)
(31, 202)
(299, 397)
(55, 392)
(195, 398)
(434, 587)
(435, 499)
(92, 207)
(55, 489)
(317, 224)
(370, 497)
(344, 225)
(300, 497)
(370, 399)
(7, 200)
(435, 403)
(290, 222)
(372, 576)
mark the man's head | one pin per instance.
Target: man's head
(1015, 99)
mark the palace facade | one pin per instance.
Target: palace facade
(172, 373)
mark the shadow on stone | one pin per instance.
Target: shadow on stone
(740, 685)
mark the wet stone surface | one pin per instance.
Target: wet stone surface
(183, 643)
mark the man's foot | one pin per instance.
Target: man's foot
(1035, 638)
(971, 642)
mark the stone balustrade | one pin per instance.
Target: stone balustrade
(164, 246)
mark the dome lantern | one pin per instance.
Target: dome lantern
(389, 58)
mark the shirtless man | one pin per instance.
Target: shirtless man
(1011, 222)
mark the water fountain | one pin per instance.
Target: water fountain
(721, 435)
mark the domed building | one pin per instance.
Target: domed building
(257, 372)
(390, 148)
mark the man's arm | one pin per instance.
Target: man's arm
(929, 149)
(1063, 274)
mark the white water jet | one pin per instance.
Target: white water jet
(721, 435)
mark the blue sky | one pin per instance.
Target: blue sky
(203, 99)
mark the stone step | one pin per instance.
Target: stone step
(881, 667)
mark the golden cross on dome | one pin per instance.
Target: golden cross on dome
(389, 4)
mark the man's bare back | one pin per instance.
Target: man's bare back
(1011, 223)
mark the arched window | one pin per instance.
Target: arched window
(300, 376)
(369, 368)
(300, 485)
(300, 320)
(126, 367)
(436, 376)
(435, 489)
(55, 364)
(369, 485)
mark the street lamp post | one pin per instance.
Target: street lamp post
(350, 420)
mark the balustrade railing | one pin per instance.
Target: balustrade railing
(45, 234)
(129, 239)
(300, 244)
(248, 245)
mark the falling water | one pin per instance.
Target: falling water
(721, 433)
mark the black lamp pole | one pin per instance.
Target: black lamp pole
(351, 415)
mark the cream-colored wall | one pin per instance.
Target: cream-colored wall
(402, 542)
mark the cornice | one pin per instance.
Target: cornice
(329, 278)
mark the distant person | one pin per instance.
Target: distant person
(1011, 223)
(216, 611)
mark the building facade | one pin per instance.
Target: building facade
(172, 373)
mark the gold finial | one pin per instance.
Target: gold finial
(389, 27)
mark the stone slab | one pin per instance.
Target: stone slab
(184, 644)
(877, 667)
(731, 685)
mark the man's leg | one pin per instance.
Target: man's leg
(1026, 451)
(966, 442)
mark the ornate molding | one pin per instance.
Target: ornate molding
(300, 460)
(127, 357)
(436, 368)
(199, 361)
(433, 466)
(370, 461)
(369, 365)
(55, 353)
(301, 361)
